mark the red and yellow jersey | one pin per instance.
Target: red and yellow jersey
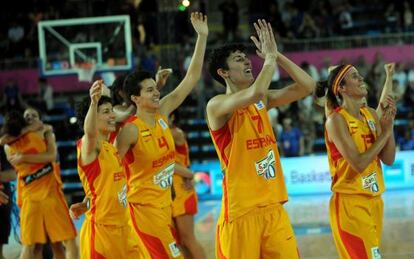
(104, 182)
(246, 147)
(150, 164)
(344, 178)
(35, 180)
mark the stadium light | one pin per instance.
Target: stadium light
(183, 5)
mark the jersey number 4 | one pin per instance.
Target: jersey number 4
(162, 142)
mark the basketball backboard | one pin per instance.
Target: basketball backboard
(71, 45)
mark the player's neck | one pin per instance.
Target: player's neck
(233, 88)
(353, 107)
(148, 116)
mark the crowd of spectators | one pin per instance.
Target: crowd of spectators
(299, 127)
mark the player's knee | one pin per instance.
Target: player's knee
(70, 244)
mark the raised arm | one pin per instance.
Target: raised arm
(387, 89)
(89, 147)
(170, 102)
(303, 86)
(338, 134)
(387, 154)
(219, 107)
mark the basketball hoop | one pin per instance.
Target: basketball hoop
(85, 71)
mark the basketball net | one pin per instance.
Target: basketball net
(85, 71)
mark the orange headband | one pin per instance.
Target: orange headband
(339, 78)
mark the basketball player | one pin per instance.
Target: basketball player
(252, 222)
(147, 146)
(105, 232)
(357, 139)
(44, 213)
(184, 205)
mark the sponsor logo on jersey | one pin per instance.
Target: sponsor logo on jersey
(122, 196)
(375, 252)
(266, 166)
(370, 182)
(175, 251)
(164, 178)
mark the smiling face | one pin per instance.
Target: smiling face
(149, 95)
(354, 84)
(31, 115)
(106, 118)
(239, 70)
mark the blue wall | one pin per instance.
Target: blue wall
(306, 175)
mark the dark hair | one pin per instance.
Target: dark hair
(14, 122)
(117, 86)
(132, 82)
(218, 59)
(82, 108)
(325, 88)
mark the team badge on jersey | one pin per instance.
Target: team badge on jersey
(259, 105)
(163, 124)
(370, 182)
(266, 166)
(371, 125)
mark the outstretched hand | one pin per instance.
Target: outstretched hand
(265, 43)
(162, 76)
(95, 92)
(199, 22)
(389, 69)
(78, 209)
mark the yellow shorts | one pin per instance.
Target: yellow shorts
(262, 233)
(48, 218)
(108, 241)
(155, 229)
(356, 222)
(185, 202)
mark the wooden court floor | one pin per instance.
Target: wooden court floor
(309, 216)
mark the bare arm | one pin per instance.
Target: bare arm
(303, 86)
(387, 154)
(89, 147)
(45, 157)
(162, 76)
(183, 171)
(35, 126)
(387, 89)
(126, 139)
(338, 133)
(122, 113)
(221, 106)
(170, 102)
